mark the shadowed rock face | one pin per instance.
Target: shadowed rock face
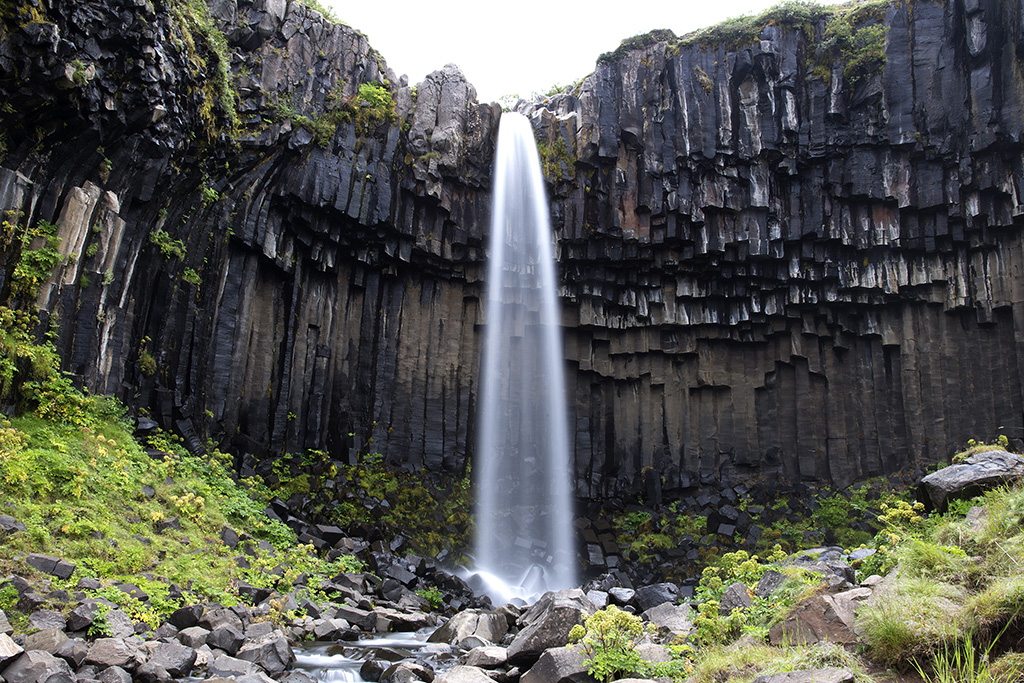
(764, 272)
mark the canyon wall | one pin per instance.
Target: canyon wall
(773, 265)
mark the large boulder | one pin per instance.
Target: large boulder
(487, 657)
(36, 666)
(656, 594)
(8, 649)
(271, 652)
(488, 626)
(407, 672)
(48, 564)
(547, 624)
(978, 473)
(734, 597)
(167, 661)
(676, 620)
(463, 674)
(105, 652)
(820, 618)
(559, 665)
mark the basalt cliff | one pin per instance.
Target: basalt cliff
(791, 254)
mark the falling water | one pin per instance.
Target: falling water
(524, 539)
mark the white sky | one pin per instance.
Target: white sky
(506, 48)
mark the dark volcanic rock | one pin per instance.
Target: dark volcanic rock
(973, 476)
(35, 665)
(761, 272)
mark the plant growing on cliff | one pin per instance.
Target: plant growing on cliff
(168, 246)
(36, 263)
(206, 50)
(372, 105)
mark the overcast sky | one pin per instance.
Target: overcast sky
(522, 48)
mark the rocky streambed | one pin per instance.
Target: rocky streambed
(369, 629)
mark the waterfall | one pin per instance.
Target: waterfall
(524, 537)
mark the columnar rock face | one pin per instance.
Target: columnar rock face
(770, 265)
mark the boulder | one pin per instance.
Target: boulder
(271, 652)
(677, 620)
(978, 473)
(167, 661)
(9, 525)
(407, 672)
(106, 652)
(547, 624)
(36, 666)
(769, 583)
(487, 657)
(620, 596)
(816, 619)
(5, 625)
(218, 617)
(73, 651)
(227, 638)
(734, 597)
(114, 674)
(488, 626)
(228, 667)
(463, 674)
(82, 617)
(654, 653)
(559, 665)
(119, 624)
(46, 619)
(809, 676)
(193, 636)
(48, 564)
(656, 594)
(333, 629)
(373, 669)
(8, 649)
(48, 640)
(297, 677)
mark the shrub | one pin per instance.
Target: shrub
(608, 639)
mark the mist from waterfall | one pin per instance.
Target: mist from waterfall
(524, 537)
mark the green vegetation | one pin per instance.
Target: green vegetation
(434, 515)
(743, 661)
(714, 628)
(372, 106)
(209, 61)
(87, 491)
(556, 161)
(608, 640)
(637, 42)
(433, 596)
(323, 9)
(854, 35)
(39, 253)
(955, 587)
(169, 247)
(190, 276)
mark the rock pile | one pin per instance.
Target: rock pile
(76, 635)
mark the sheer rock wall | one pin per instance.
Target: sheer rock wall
(765, 272)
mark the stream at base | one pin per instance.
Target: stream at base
(341, 661)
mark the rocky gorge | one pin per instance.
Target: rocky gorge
(785, 254)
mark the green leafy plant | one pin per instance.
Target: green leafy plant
(433, 596)
(608, 640)
(192, 277)
(169, 247)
